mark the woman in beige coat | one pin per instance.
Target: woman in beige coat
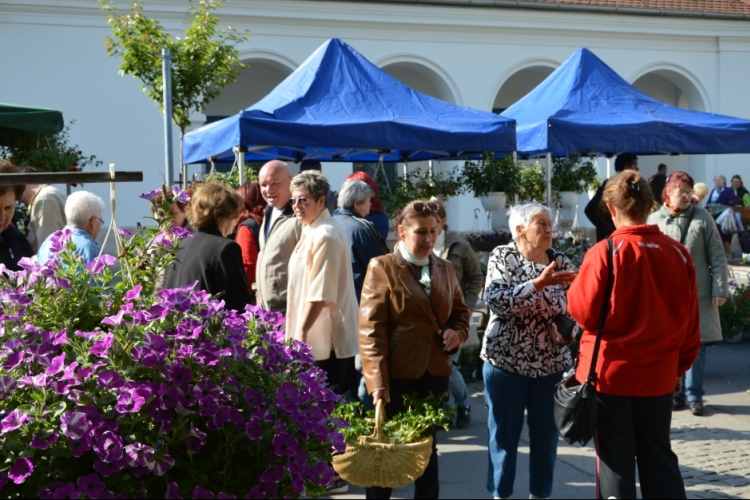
(695, 228)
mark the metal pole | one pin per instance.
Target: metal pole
(549, 180)
(167, 79)
(609, 167)
(239, 152)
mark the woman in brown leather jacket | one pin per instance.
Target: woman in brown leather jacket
(412, 318)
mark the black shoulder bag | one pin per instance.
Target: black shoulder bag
(575, 404)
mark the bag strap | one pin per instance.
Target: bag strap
(416, 278)
(683, 234)
(605, 309)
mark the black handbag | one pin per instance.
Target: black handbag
(744, 238)
(575, 404)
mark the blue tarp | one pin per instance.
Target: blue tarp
(585, 105)
(339, 106)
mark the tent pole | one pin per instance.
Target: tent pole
(515, 164)
(239, 153)
(166, 69)
(609, 167)
(549, 180)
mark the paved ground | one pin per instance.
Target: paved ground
(714, 450)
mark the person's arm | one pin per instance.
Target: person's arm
(717, 260)
(460, 316)
(473, 277)
(246, 240)
(592, 209)
(373, 328)
(746, 199)
(310, 314)
(232, 278)
(49, 216)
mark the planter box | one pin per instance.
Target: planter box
(493, 201)
(568, 198)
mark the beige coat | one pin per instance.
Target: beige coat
(271, 272)
(711, 273)
(320, 270)
(46, 215)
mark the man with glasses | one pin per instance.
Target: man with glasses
(279, 234)
(84, 211)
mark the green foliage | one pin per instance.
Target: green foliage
(572, 174)
(419, 421)
(416, 185)
(47, 154)
(533, 183)
(203, 61)
(491, 175)
(735, 313)
(232, 178)
(21, 216)
(574, 247)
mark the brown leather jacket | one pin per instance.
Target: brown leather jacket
(397, 329)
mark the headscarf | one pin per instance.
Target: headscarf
(375, 206)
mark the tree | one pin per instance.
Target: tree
(203, 61)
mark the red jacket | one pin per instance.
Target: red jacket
(246, 240)
(652, 333)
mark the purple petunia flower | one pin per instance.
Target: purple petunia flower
(297, 462)
(13, 421)
(321, 473)
(74, 424)
(13, 360)
(21, 469)
(254, 430)
(151, 195)
(56, 365)
(161, 465)
(209, 406)
(225, 496)
(67, 491)
(180, 195)
(284, 445)
(133, 294)
(200, 492)
(90, 486)
(179, 374)
(108, 379)
(101, 347)
(156, 312)
(98, 264)
(287, 397)
(175, 299)
(180, 232)
(124, 232)
(138, 454)
(43, 443)
(169, 396)
(162, 240)
(173, 492)
(107, 469)
(206, 388)
(7, 386)
(109, 447)
(273, 473)
(144, 356)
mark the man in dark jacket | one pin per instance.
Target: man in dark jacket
(596, 211)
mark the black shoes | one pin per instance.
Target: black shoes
(696, 407)
(464, 417)
(678, 404)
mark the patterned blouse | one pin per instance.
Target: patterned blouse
(517, 339)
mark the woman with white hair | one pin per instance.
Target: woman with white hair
(524, 354)
(84, 211)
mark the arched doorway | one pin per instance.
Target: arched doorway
(675, 87)
(422, 78)
(519, 84)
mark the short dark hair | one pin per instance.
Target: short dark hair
(661, 167)
(624, 160)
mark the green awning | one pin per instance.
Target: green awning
(35, 120)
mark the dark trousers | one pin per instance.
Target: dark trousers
(427, 485)
(630, 431)
(336, 372)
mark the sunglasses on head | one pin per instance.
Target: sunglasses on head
(426, 206)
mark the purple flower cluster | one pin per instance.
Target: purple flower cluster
(165, 381)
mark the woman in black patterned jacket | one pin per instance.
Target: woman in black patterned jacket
(524, 354)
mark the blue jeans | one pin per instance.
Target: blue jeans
(692, 381)
(508, 395)
(457, 385)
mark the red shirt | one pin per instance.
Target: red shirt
(652, 333)
(246, 240)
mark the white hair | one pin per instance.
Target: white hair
(354, 191)
(522, 215)
(81, 206)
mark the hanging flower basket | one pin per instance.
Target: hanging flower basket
(493, 201)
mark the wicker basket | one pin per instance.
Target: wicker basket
(378, 460)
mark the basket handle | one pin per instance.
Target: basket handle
(379, 420)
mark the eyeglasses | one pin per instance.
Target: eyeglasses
(100, 220)
(426, 206)
(301, 200)
(689, 194)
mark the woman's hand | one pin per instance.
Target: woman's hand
(550, 277)
(718, 301)
(556, 336)
(678, 385)
(451, 340)
(378, 395)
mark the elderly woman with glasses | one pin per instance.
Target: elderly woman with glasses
(524, 354)
(321, 303)
(412, 317)
(694, 227)
(83, 211)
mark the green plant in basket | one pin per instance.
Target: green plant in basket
(490, 175)
(572, 174)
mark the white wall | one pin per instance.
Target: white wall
(463, 53)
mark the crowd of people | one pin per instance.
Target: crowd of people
(384, 323)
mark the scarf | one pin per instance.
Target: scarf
(425, 279)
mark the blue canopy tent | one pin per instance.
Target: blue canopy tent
(585, 106)
(338, 106)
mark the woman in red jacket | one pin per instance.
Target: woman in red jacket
(248, 226)
(651, 337)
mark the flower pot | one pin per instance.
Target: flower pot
(733, 340)
(493, 201)
(568, 198)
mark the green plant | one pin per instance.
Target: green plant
(574, 247)
(415, 185)
(232, 178)
(48, 154)
(418, 421)
(735, 313)
(533, 183)
(203, 61)
(572, 174)
(488, 241)
(490, 175)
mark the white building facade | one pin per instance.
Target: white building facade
(484, 55)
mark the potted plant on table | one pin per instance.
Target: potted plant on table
(570, 177)
(417, 185)
(493, 180)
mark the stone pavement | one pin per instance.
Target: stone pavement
(714, 450)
